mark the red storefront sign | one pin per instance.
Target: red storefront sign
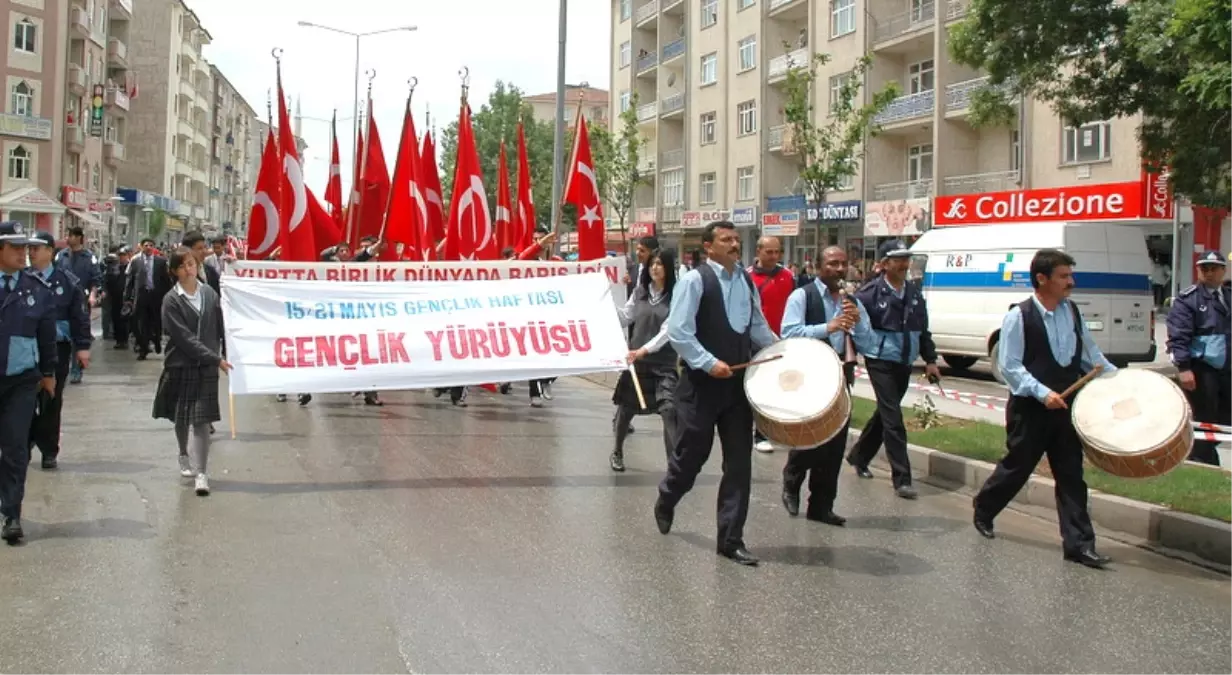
(74, 198)
(639, 230)
(1157, 198)
(1107, 201)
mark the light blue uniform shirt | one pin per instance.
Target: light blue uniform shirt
(1059, 324)
(737, 300)
(793, 321)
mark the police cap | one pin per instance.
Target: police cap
(1212, 258)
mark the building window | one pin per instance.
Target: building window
(747, 51)
(25, 36)
(846, 183)
(707, 126)
(922, 10)
(746, 118)
(710, 13)
(626, 54)
(745, 4)
(710, 68)
(626, 100)
(705, 188)
(1015, 151)
(842, 17)
(673, 187)
(626, 9)
(20, 160)
(920, 163)
(921, 77)
(837, 82)
(745, 190)
(23, 99)
(1088, 143)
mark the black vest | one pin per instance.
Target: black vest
(714, 331)
(815, 315)
(1037, 354)
(648, 319)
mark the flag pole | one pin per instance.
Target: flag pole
(560, 206)
(362, 170)
(413, 82)
(558, 149)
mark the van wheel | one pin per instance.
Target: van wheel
(993, 364)
(958, 362)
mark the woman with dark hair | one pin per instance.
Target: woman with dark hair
(188, 388)
(651, 354)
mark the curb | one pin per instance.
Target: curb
(1200, 540)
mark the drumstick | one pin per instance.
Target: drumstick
(231, 410)
(637, 386)
(1078, 385)
(742, 366)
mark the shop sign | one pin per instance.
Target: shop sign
(1156, 194)
(646, 215)
(744, 216)
(897, 217)
(23, 126)
(639, 230)
(1106, 201)
(786, 224)
(835, 211)
(695, 220)
(74, 198)
(668, 228)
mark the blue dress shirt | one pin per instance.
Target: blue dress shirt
(793, 321)
(737, 300)
(1059, 324)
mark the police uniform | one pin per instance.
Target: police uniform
(900, 326)
(27, 354)
(72, 335)
(84, 266)
(1199, 333)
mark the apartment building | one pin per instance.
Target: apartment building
(230, 185)
(31, 135)
(708, 77)
(173, 113)
(594, 104)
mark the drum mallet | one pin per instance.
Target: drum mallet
(742, 366)
(637, 386)
(1079, 384)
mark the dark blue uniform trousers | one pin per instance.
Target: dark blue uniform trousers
(17, 397)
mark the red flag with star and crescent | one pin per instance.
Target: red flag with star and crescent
(524, 213)
(469, 234)
(407, 219)
(263, 221)
(333, 188)
(299, 242)
(582, 191)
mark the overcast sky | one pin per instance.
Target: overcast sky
(509, 40)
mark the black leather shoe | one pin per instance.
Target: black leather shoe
(1089, 558)
(906, 492)
(617, 461)
(50, 463)
(12, 530)
(791, 501)
(861, 470)
(739, 555)
(829, 518)
(984, 527)
(663, 516)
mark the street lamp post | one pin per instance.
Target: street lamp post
(358, 37)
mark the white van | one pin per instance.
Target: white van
(972, 276)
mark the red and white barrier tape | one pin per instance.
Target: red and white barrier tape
(1217, 428)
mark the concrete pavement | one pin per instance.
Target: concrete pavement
(421, 537)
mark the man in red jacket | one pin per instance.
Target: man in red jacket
(774, 284)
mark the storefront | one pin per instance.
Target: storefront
(835, 224)
(746, 222)
(902, 219)
(692, 224)
(32, 207)
(139, 212)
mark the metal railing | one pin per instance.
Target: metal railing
(646, 11)
(908, 107)
(956, 9)
(779, 65)
(672, 159)
(910, 21)
(647, 111)
(775, 4)
(958, 95)
(646, 164)
(777, 138)
(995, 181)
(670, 213)
(673, 49)
(912, 189)
(647, 61)
(671, 104)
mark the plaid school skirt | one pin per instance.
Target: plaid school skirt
(188, 395)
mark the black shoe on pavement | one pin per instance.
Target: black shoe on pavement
(1089, 558)
(829, 518)
(791, 501)
(664, 515)
(739, 555)
(50, 463)
(984, 527)
(11, 531)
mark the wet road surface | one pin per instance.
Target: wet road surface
(420, 537)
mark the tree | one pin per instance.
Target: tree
(1092, 60)
(829, 154)
(616, 158)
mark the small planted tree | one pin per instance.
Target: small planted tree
(616, 158)
(829, 153)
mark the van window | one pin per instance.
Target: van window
(919, 263)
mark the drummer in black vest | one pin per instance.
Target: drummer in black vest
(1044, 348)
(819, 311)
(899, 317)
(715, 323)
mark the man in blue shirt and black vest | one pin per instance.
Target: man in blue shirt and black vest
(899, 316)
(1199, 333)
(27, 362)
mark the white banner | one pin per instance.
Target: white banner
(287, 337)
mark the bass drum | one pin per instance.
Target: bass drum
(800, 400)
(1134, 423)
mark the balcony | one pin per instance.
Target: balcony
(118, 99)
(646, 12)
(113, 153)
(902, 25)
(673, 50)
(787, 9)
(958, 95)
(778, 139)
(647, 61)
(75, 137)
(956, 9)
(646, 165)
(666, 6)
(647, 111)
(671, 105)
(996, 181)
(672, 159)
(78, 82)
(183, 168)
(909, 107)
(184, 128)
(117, 53)
(79, 23)
(121, 9)
(670, 213)
(912, 189)
(776, 70)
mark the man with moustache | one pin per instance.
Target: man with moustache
(715, 323)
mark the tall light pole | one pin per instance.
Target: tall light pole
(358, 37)
(558, 144)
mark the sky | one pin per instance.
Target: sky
(510, 40)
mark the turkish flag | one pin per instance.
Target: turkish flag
(324, 228)
(432, 191)
(524, 214)
(374, 186)
(505, 235)
(333, 189)
(582, 191)
(263, 221)
(469, 235)
(299, 244)
(407, 219)
(352, 210)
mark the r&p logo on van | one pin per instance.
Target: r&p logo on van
(1108, 201)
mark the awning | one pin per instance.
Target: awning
(88, 218)
(30, 200)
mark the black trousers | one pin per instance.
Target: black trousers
(119, 322)
(890, 381)
(45, 427)
(17, 395)
(1031, 431)
(1211, 402)
(700, 409)
(821, 465)
(148, 313)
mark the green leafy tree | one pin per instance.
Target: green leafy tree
(616, 158)
(829, 153)
(1092, 60)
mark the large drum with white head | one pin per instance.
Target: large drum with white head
(800, 400)
(1134, 423)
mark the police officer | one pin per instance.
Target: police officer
(72, 342)
(82, 264)
(899, 317)
(1198, 338)
(27, 353)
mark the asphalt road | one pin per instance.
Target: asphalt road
(421, 537)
